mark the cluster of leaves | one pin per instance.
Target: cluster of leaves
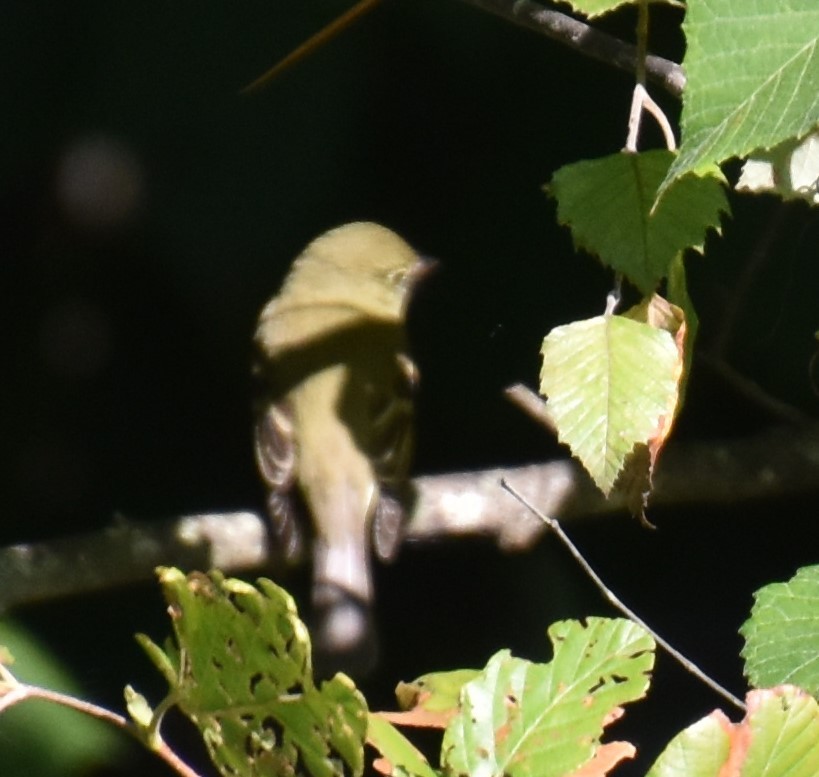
(615, 382)
(239, 666)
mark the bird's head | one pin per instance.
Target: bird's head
(362, 265)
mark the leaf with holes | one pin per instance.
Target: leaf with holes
(241, 671)
(752, 71)
(778, 736)
(519, 718)
(782, 634)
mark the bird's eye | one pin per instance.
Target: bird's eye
(397, 277)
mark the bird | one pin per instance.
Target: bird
(334, 423)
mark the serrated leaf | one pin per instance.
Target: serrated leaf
(397, 752)
(520, 718)
(782, 634)
(791, 170)
(611, 384)
(752, 71)
(243, 675)
(607, 203)
(593, 8)
(778, 736)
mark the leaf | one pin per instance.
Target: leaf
(677, 289)
(778, 736)
(607, 203)
(437, 691)
(791, 170)
(752, 72)
(593, 8)
(520, 718)
(241, 671)
(397, 752)
(782, 634)
(611, 384)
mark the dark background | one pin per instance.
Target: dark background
(147, 211)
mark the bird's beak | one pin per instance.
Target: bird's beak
(423, 268)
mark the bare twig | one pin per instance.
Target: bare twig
(324, 35)
(617, 603)
(585, 39)
(531, 404)
(774, 408)
(13, 692)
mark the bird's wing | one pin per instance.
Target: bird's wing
(391, 439)
(276, 456)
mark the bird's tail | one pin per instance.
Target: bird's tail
(343, 633)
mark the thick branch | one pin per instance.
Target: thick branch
(781, 462)
(585, 39)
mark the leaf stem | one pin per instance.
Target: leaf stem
(612, 598)
(641, 100)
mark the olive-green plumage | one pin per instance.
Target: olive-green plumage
(334, 424)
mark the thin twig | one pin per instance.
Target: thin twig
(530, 403)
(324, 35)
(618, 604)
(15, 692)
(585, 40)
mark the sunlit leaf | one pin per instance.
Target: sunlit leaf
(611, 384)
(519, 718)
(752, 72)
(779, 736)
(398, 754)
(782, 634)
(791, 170)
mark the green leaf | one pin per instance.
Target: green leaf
(611, 383)
(436, 691)
(242, 674)
(752, 72)
(520, 718)
(791, 170)
(607, 203)
(778, 737)
(698, 751)
(592, 8)
(397, 749)
(782, 634)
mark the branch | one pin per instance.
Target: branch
(12, 692)
(618, 603)
(586, 40)
(782, 461)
